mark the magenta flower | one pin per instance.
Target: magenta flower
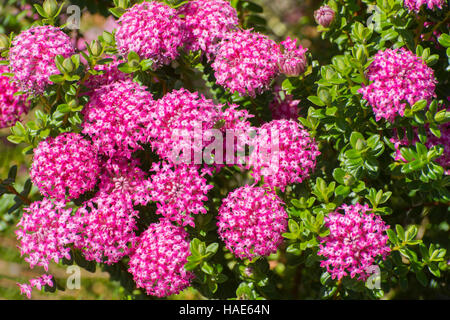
(116, 117)
(357, 237)
(397, 76)
(246, 62)
(284, 153)
(415, 5)
(151, 29)
(157, 265)
(180, 191)
(251, 222)
(65, 166)
(11, 107)
(283, 106)
(207, 22)
(32, 56)
(45, 230)
(292, 62)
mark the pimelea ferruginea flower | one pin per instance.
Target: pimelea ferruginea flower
(151, 29)
(416, 5)
(179, 192)
(45, 230)
(123, 176)
(207, 22)
(357, 237)
(398, 77)
(116, 117)
(324, 16)
(292, 61)
(107, 227)
(38, 283)
(283, 106)
(284, 153)
(32, 56)
(251, 222)
(11, 107)
(157, 264)
(246, 62)
(65, 166)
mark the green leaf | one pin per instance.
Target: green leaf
(444, 40)
(316, 101)
(400, 232)
(422, 278)
(212, 248)
(40, 10)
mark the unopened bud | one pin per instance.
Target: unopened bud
(68, 65)
(50, 8)
(96, 48)
(324, 16)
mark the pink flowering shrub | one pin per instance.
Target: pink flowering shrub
(207, 22)
(65, 166)
(251, 221)
(172, 152)
(157, 263)
(357, 237)
(246, 62)
(151, 29)
(32, 56)
(11, 107)
(398, 76)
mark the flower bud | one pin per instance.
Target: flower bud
(68, 65)
(293, 61)
(4, 42)
(50, 8)
(324, 16)
(96, 48)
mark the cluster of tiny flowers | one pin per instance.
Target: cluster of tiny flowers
(293, 60)
(246, 62)
(116, 117)
(179, 117)
(324, 16)
(33, 55)
(157, 265)
(45, 230)
(179, 192)
(415, 5)
(283, 106)
(251, 222)
(38, 283)
(109, 74)
(398, 75)
(106, 228)
(65, 166)
(153, 30)
(356, 238)
(207, 22)
(284, 153)
(123, 176)
(11, 107)
(444, 140)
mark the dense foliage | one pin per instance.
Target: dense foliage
(356, 205)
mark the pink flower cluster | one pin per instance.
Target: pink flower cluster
(357, 237)
(415, 5)
(324, 16)
(283, 106)
(284, 153)
(44, 231)
(38, 283)
(292, 62)
(153, 30)
(32, 56)
(251, 222)
(207, 22)
(246, 62)
(65, 166)
(106, 228)
(116, 117)
(179, 192)
(157, 265)
(11, 107)
(398, 75)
